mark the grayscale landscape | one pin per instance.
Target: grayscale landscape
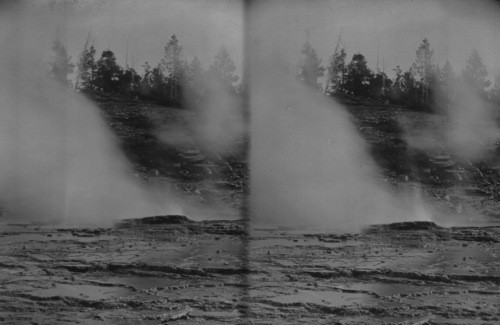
(249, 162)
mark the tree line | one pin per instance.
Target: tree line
(172, 81)
(175, 81)
(423, 86)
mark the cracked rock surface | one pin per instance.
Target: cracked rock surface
(187, 272)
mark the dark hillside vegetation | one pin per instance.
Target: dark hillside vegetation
(458, 183)
(185, 162)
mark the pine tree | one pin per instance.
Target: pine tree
(146, 81)
(336, 72)
(397, 85)
(159, 91)
(445, 84)
(310, 68)
(129, 81)
(447, 74)
(494, 93)
(224, 69)
(172, 67)
(410, 88)
(193, 81)
(379, 85)
(87, 69)
(151, 85)
(423, 69)
(194, 74)
(358, 76)
(108, 72)
(475, 73)
(61, 66)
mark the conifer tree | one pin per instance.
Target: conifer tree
(61, 66)
(194, 74)
(423, 69)
(108, 72)
(475, 73)
(87, 69)
(494, 93)
(336, 72)
(172, 67)
(310, 68)
(224, 68)
(445, 84)
(358, 76)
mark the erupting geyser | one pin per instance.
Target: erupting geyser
(58, 160)
(309, 166)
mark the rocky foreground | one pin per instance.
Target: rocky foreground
(170, 269)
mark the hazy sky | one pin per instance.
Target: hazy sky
(453, 27)
(202, 27)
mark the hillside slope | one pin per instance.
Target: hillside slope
(161, 144)
(451, 185)
(411, 151)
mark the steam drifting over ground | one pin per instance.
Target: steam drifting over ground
(222, 118)
(219, 121)
(309, 166)
(473, 127)
(58, 160)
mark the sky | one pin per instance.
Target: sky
(389, 29)
(394, 28)
(202, 27)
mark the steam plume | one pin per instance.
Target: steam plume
(222, 119)
(218, 121)
(58, 160)
(308, 164)
(472, 125)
